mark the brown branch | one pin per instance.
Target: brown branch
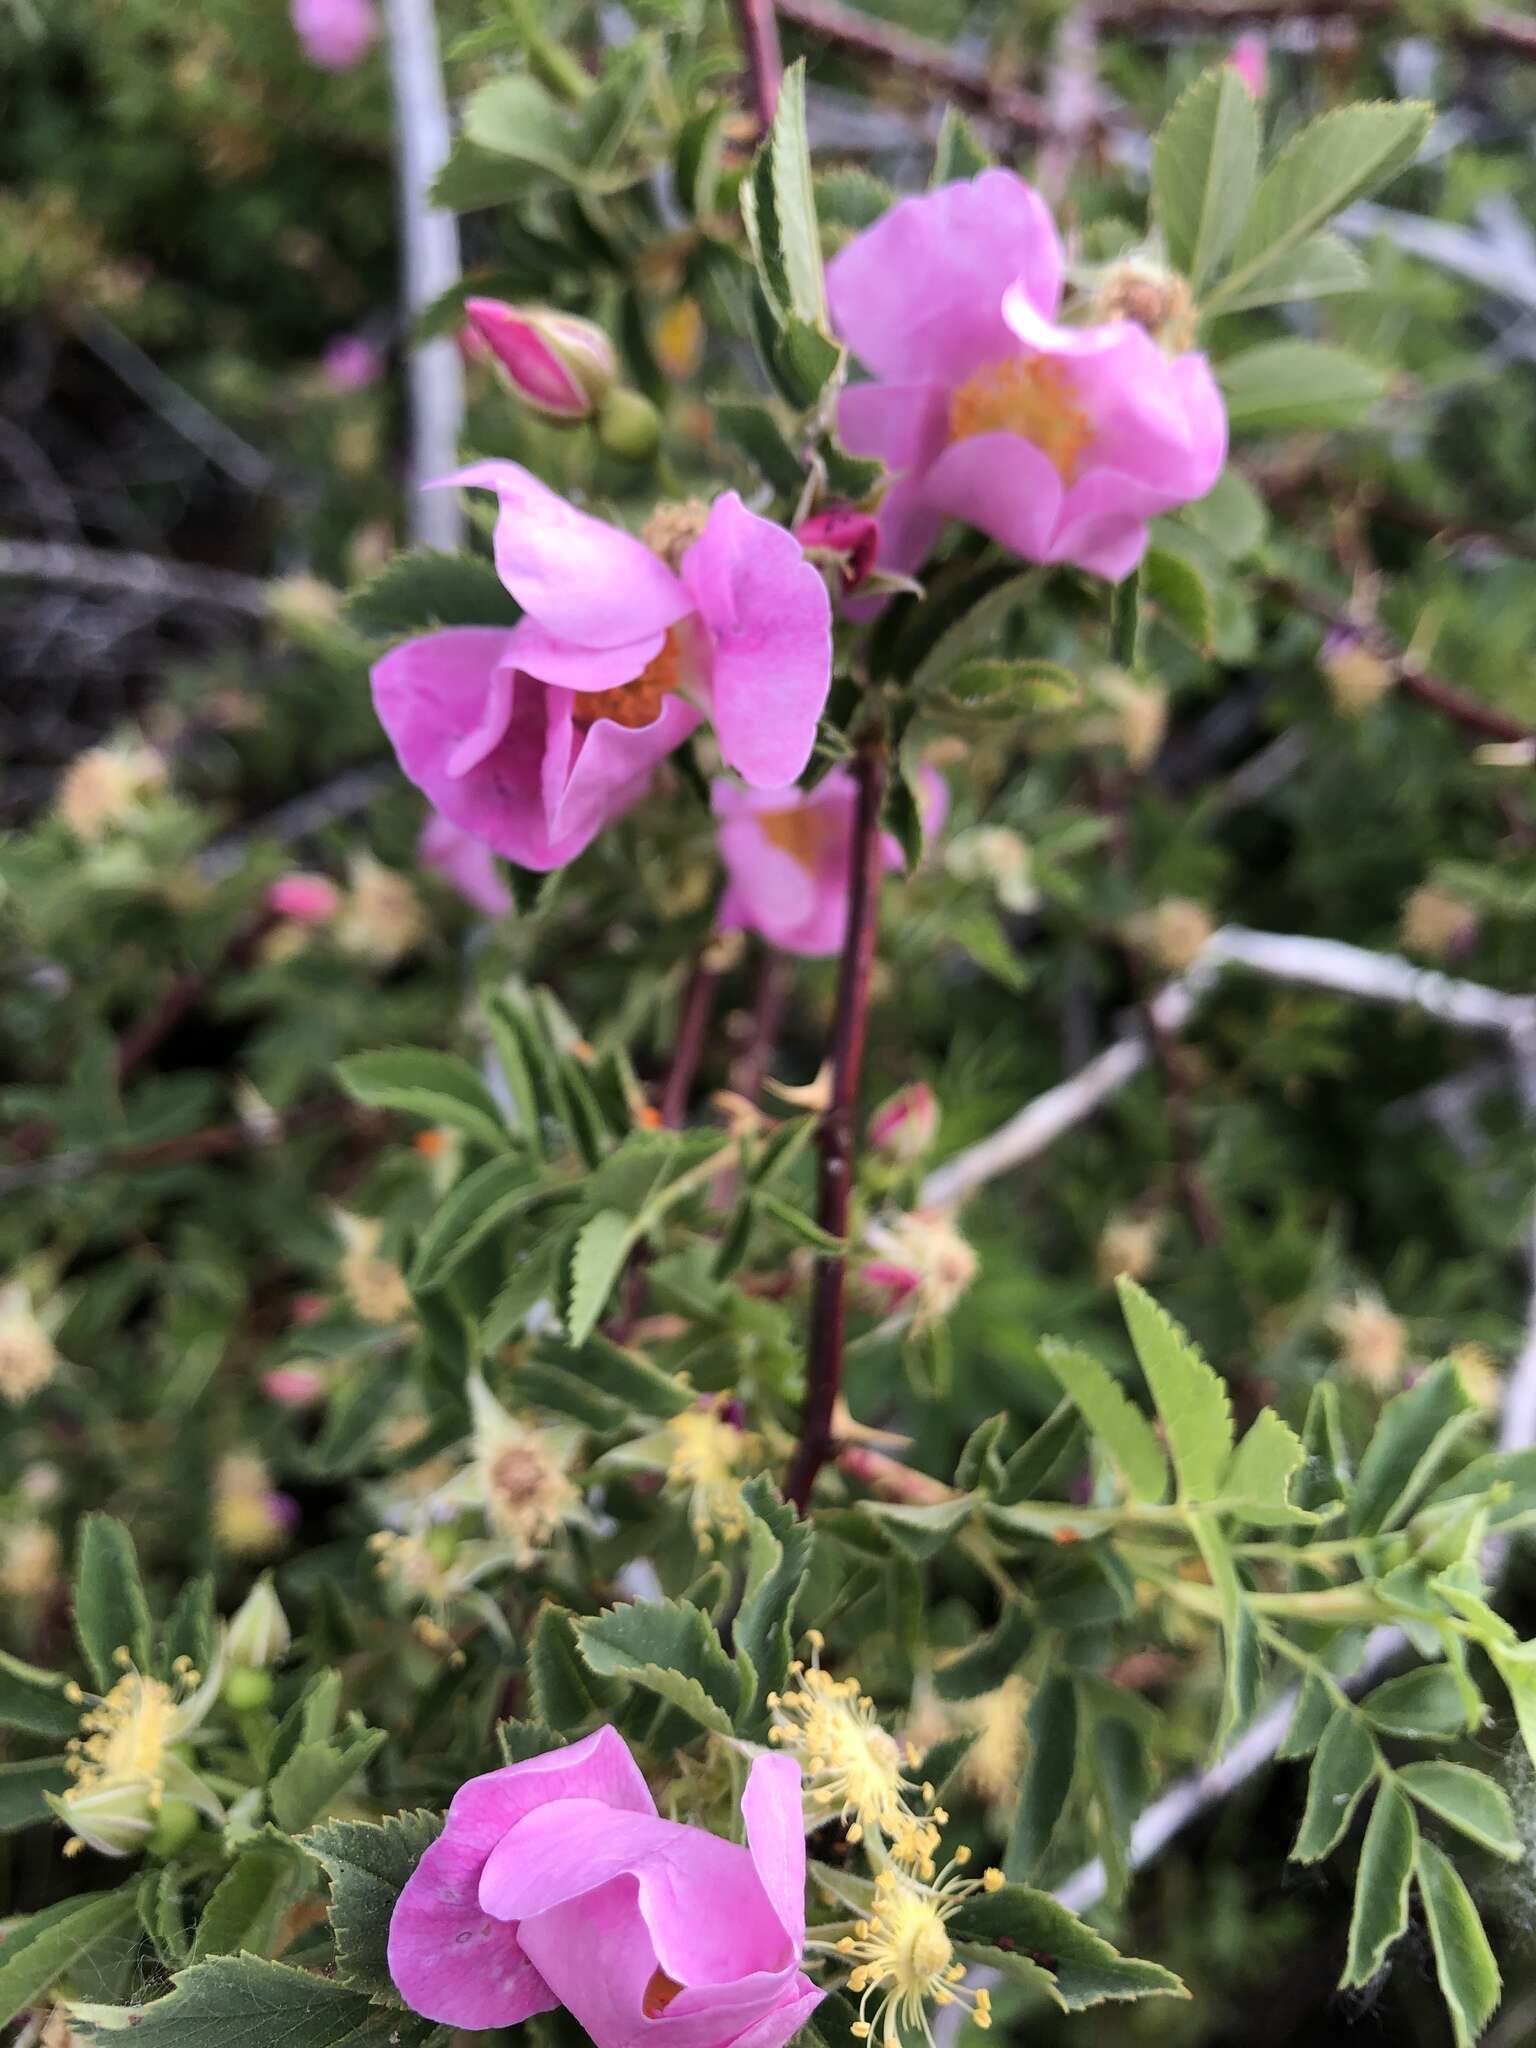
(750, 1067)
(1448, 698)
(889, 1479)
(183, 997)
(836, 1135)
(1492, 30)
(897, 49)
(758, 30)
(692, 1028)
(217, 1141)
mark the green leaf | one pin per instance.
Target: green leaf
(24, 1789)
(700, 155)
(1309, 1723)
(1205, 167)
(514, 116)
(959, 152)
(1278, 385)
(432, 1085)
(249, 1900)
(1468, 1801)
(779, 209)
(564, 1694)
(243, 2002)
(1420, 1704)
(1344, 1765)
(1231, 516)
(111, 1612)
(56, 1941)
(1047, 1782)
(1052, 1949)
(670, 1648)
(426, 589)
(779, 1549)
(1464, 1963)
(33, 1699)
(753, 427)
(1325, 1477)
(520, 1740)
(1172, 583)
(804, 363)
(1333, 161)
(1113, 1417)
(1517, 1668)
(1413, 1435)
(484, 1200)
(367, 1868)
(1191, 1399)
(1381, 1885)
(1314, 269)
(802, 1228)
(315, 1773)
(1243, 1665)
(597, 1258)
(1263, 1465)
(848, 196)
(985, 1664)
(1000, 692)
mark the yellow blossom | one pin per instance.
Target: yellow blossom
(127, 1760)
(28, 1359)
(104, 786)
(382, 919)
(250, 1519)
(1127, 1244)
(523, 1475)
(904, 1960)
(854, 1770)
(922, 1252)
(374, 1286)
(29, 1561)
(1436, 924)
(706, 1454)
(1372, 1339)
(1174, 931)
(1480, 1377)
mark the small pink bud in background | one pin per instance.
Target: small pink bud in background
(896, 1283)
(560, 366)
(336, 34)
(906, 1124)
(840, 530)
(351, 363)
(309, 1308)
(306, 899)
(1249, 58)
(294, 1386)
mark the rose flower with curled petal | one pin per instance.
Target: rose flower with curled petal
(555, 1882)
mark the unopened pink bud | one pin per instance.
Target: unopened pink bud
(293, 1386)
(1249, 58)
(906, 1124)
(842, 531)
(896, 1283)
(560, 366)
(305, 899)
(309, 1308)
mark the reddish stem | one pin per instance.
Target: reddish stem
(758, 28)
(1491, 30)
(829, 21)
(836, 1136)
(692, 1028)
(749, 1069)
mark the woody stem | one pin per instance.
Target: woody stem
(835, 1139)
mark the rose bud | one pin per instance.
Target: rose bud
(560, 366)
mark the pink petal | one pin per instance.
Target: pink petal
(907, 427)
(771, 1808)
(613, 768)
(529, 361)
(918, 296)
(1003, 486)
(582, 579)
(466, 864)
(570, 667)
(783, 2021)
(449, 1960)
(770, 624)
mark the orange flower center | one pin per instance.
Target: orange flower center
(1030, 397)
(803, 831)
(637, 703)
(659, 1994)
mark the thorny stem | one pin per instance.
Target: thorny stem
(836, 1136)
(758, 28)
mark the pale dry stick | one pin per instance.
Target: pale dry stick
(1314, 963)
(429, 237)
(75, 566)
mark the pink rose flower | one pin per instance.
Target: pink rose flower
(303, 898)
(1059, 442)
(555, 1882)
(351, 363)
(336, 34)
(787, 854)
(466, 864)
(533, 738)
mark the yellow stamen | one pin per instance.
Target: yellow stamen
(1031, 397)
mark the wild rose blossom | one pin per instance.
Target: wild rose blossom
(533, 738)
(787, 853)
(466, 864)
(1060, 442)
(336, 34)
(555, 1882)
